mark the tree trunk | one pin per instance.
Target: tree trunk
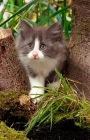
(79, 60)
(12, 73)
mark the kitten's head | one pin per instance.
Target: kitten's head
(38, 43)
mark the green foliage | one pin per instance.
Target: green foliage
(40, 13)
(61, 103)
(7, 133)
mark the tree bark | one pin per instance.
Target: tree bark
(79, 45)
(12, 74)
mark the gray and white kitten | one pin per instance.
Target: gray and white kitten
(41, 50)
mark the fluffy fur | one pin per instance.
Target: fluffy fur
(41, 50)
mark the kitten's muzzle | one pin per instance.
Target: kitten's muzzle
(35, 54)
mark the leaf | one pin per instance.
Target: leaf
(25, 7)
(42, 22)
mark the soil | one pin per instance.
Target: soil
(17, 114)
(64, 130)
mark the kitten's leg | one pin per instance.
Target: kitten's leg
(53, 85)
(34, 92)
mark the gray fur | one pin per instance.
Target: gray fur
(52, 38)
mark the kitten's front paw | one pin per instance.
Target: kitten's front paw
(34, 93)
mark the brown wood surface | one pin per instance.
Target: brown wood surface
(12, 74)
(79, 45)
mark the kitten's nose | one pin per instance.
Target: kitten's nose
(35, 54)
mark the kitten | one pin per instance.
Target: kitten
(41, 50)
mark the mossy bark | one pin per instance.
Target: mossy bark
(79, 45)
(16, 109)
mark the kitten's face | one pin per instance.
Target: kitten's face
(35, 49)
(37, 43)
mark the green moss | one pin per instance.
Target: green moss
(9, 99)
(7, 133)
(10, 106)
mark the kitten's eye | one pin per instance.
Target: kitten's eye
(42, 46)
(30, 45)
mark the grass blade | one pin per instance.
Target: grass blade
(42, 22)
(25, 7)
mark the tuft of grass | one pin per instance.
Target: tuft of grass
(61, 103)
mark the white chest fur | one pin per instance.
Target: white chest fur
(44, 66)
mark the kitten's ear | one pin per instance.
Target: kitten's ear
(55, 30)
(25, 28)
